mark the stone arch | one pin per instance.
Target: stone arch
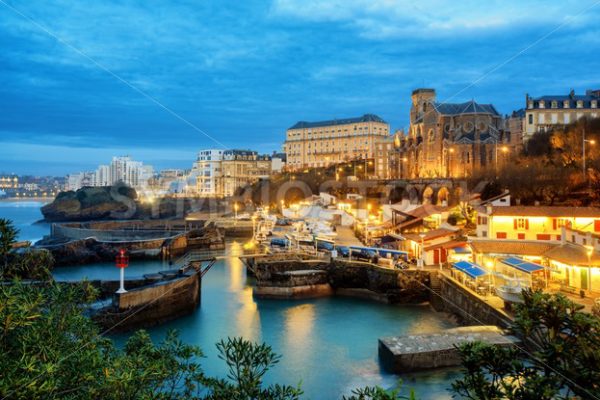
(428, 195)
(412, 194)
(443, 196)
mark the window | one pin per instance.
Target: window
(594, 104)
(542, 104)
(566, 104)
(521, 236)
(521, 223)
(530, 119)
(554, 104)
(567, 118)
(543, 236)
(579, 103)
(500, 235)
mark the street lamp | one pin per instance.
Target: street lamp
(449, 170)
(504, 150)
(422, 236)
(591, 142)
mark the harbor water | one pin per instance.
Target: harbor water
(329, 345)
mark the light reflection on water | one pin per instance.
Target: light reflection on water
(330, 344)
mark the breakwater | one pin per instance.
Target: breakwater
(159, 298)
(311, 277)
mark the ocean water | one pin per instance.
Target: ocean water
(25, 214)
(329, 345)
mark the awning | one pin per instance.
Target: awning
(522, 265)
(473, 270)
(462, 250)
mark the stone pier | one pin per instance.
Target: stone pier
(434, 350)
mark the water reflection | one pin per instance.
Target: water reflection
(298, 332)
(247, 317)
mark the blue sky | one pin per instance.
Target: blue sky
(241, 72)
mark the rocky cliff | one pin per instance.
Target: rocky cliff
(117, 202)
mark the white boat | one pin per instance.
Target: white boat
(511, 289)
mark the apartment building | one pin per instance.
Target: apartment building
(318, 144)
(221, 172)
(548, 112)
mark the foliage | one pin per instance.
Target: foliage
(377, 393)
(52, 350)
(247, 364)
(8, 237)
(28, 264)
(564, 360)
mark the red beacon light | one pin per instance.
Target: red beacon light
(122, 261)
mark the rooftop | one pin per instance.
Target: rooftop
(470, 107)
(514, 247)
(573, 254)
(334, 122)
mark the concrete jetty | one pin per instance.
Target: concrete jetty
(434, 350)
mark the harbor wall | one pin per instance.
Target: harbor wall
(348, 278)
(152, 304)
(470, 308)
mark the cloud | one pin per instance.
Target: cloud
(380, 19)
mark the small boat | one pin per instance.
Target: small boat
(511, 290)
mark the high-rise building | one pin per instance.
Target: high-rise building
(548, 112)
(318, 144)
(209, 172)
(121, 169)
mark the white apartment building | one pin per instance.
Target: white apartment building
(121, 169)
(209, 170)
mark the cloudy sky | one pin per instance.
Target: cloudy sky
(81, 81)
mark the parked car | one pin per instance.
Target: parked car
(343, 251)
(279, 242)
(323, 245)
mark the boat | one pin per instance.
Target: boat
(511, 290)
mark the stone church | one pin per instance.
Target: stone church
(450, 139)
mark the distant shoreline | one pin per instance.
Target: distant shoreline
(39, 199)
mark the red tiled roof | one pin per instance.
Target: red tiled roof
(430, 235)
(511, 247)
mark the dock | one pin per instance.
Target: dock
(435, 350)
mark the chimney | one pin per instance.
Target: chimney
(572, 93)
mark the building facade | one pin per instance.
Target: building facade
(527, 223)
(241, 168)
(548, 112)
(209, 172)
(318, 144)
(221, 172)
(450, 139)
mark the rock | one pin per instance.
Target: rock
(118, 202)
(92, 203)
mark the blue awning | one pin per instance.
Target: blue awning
(522, 265)
(462, 250)
(473, 270)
